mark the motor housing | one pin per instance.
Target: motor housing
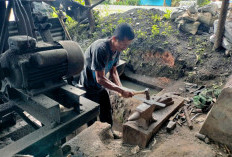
(37, 67)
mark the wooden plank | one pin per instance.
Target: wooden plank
(132, 134)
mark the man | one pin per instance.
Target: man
(101, 57)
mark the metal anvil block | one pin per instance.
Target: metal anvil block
(143, 114)
(134, 131)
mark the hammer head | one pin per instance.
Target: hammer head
(147, 93)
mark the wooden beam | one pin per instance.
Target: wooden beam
(90, 17)
(221, 25)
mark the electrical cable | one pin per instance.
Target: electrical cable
(14, 11)
(26, 15)
(19, 9)
(24, 22)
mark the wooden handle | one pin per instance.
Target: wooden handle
(139, 92)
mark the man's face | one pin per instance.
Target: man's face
(122, 45)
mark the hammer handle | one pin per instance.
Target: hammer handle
(139, 92)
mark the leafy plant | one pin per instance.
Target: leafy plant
(127, 2)
(121, 20)
(155, 30)
(155, 18)
(203, 2)
(167, 15)
(141, 34)
(205, 98)
(82, 2)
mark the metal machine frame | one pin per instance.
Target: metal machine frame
(45, 107)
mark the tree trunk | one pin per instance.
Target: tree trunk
(221, 25)
(90, 17)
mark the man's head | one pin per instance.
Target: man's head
(123, 36)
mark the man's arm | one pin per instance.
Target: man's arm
(102, 80)
(115, 77)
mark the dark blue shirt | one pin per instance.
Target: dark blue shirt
(98, 57)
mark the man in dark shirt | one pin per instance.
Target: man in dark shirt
(101, 57)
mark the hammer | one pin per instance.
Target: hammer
(146, 92)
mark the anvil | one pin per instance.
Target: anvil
(143, 114)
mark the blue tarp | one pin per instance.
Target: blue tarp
(155, 2)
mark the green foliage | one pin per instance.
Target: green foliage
(200, 48)
(82, 2)
(175, 3)
(124, 2)
(125, 52)
(70, 23)
(168, 29)
(203, 2)
(106, 10)
(121, 20)
(108, 29)
(155, 18)
(205, 98)
(167, 15)
(141, 34)
(54, 13)
(155, 30)
(140, 12)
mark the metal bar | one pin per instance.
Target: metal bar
(2, 13)
(40, 140)
(67, 96)
(26, 119)
(43, 108)
(4, 31)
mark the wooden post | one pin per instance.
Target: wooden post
(221, 25)
(90, 17)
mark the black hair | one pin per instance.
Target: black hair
(124, 30)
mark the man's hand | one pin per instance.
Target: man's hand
(127, 94)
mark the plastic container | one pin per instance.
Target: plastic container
(155, 2)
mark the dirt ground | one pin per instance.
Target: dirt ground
(160, 49)
(171, 55)
(179, 142)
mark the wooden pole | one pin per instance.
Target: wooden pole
(188, 118)
(90, 17)
(221, 25)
